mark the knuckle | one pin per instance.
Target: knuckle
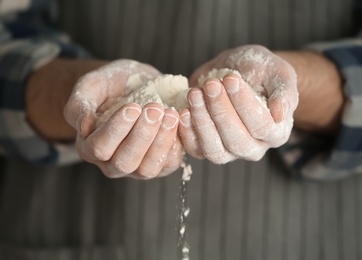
(261, 132)
(148, 172)
(221, 115)
(122, 167)
(111, 175)
(237, 144)
(236, 148)
(98, 152)
(145, 136)
(243, 108)
(219, 157)
(204, 126)
(110, 171)
(246, 149)
(254, 154)
(163, 142)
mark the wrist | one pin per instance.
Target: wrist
(320, 87)
(46, 93)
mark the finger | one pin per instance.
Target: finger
(155, 158)
(188, 135)
(174, 158)
(235, 136)
(254, 115)
(210, 140)
(80, 115)
(103, 142)
(281, 85)
(94, 89)
(282, 104)
(113, 80)
(112, 172)
(91, 91)
(132, 150)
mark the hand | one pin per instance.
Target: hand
(225, 120)
(136, 142)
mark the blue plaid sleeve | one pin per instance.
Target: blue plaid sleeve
(24, 47)
(318, 157)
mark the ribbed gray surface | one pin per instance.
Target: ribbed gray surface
(243, 210)
(177, 36)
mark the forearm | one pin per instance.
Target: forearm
(46, 93)
(321, 96)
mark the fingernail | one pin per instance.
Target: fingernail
(153, 114)
(131, 113)
(212, 89)
(232, 85)
(196, 99)
(186, 120)
(169, 121)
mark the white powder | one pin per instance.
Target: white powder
(259, 91)
(215, 147)
(182, 230)
(166, 90)
(216, 73)
(134, 82)
(171, 91)
(187, 212)
(254, 55)
(186, 175)
(183, 246)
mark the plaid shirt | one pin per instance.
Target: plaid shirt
(26, 44)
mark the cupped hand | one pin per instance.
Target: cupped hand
(225, 120)
(137, 142)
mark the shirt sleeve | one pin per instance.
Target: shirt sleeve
(318, 157)
(26, 45)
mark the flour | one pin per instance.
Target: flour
(171, 91)
(186, 175)
(254, 55)
(259, 91)
(167, 90)
(216, 73)
(183, 246)
(134, 82)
